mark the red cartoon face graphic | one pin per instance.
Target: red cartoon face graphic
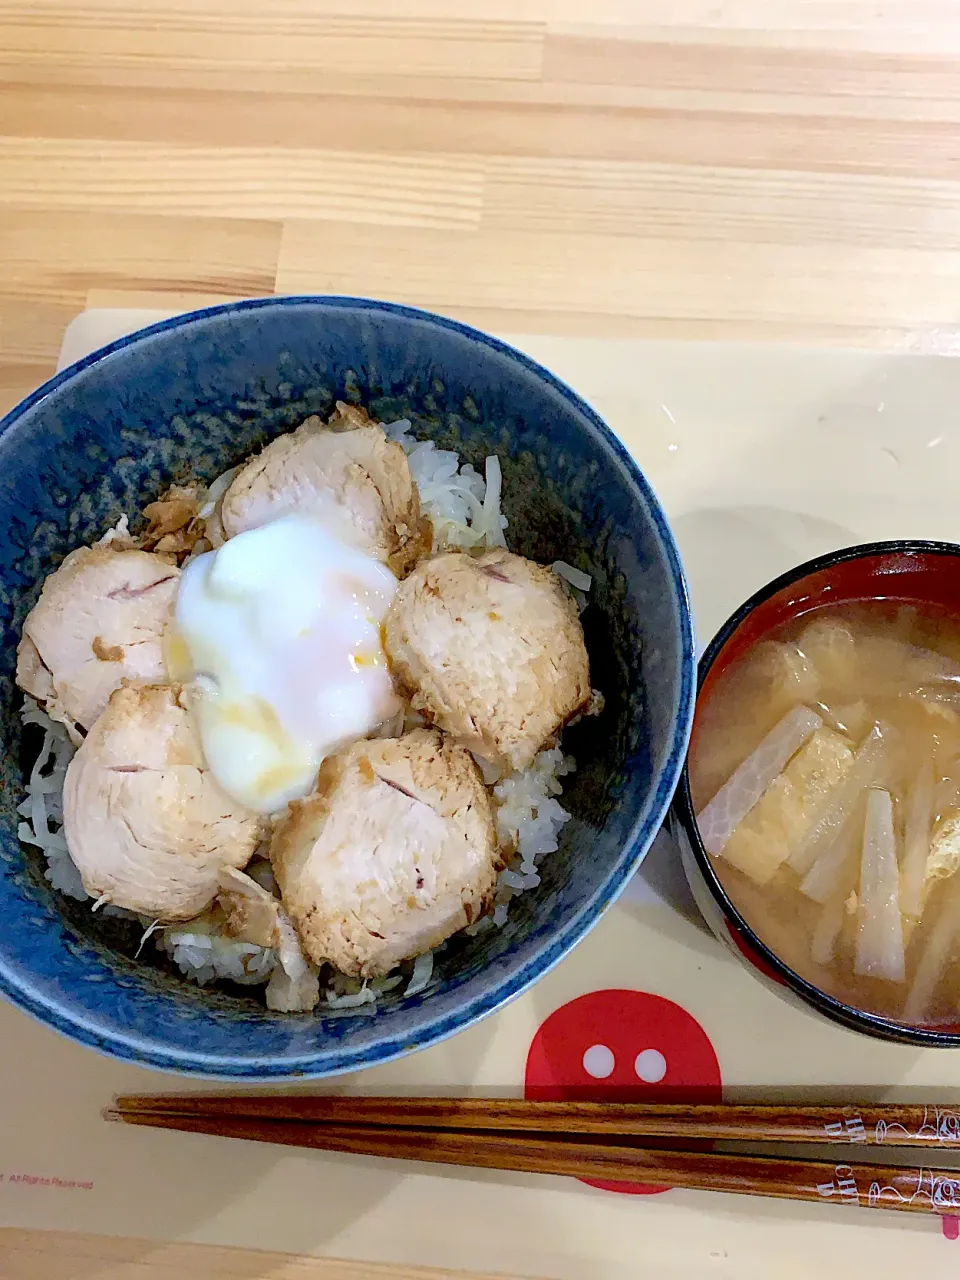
(622, 1046)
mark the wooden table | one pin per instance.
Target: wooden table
(759, 169)
(783, 169)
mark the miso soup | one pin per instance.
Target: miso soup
(825, 775)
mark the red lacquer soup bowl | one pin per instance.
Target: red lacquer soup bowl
(922, 574)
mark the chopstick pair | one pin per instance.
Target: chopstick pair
(597, 1140)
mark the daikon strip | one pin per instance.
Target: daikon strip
(935, 957)
(879, 951)
(916, 841)
(850, 718)
(835, 865)
(867, 771)
(721, 816)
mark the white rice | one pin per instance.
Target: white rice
(42, 810)
(529, 820)
(464, 508)
(205, 954)
(352, 999)
(529, 816)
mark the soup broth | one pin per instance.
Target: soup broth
(825, 775)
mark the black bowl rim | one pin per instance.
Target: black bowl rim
(837, 1010)
(314, 1065)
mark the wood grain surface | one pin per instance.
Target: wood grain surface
(758, 169)
(901, 1187)
(56, 1255)
(893, 1125)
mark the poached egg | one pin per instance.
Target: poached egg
(279, 633)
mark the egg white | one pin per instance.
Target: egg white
(280, 632)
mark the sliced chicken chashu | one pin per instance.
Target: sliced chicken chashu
(175, 527)
(251, 913)
(395, 852)
(145, 822)
(346, 472)
(99, 621)
(491, 649)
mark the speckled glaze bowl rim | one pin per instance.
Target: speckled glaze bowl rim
(76, 1025)
(836, 1010)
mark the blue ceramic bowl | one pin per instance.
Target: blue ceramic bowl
(193, 396)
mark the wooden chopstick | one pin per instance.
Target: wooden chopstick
(889, 1125)
(922, 1190)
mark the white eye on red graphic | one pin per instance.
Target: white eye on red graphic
(622, 1046)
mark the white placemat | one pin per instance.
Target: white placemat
(762, 457)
